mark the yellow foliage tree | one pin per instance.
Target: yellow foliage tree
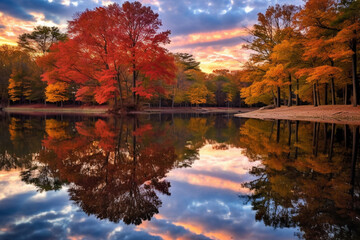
(57, 92)
(56, 129)
(14, 89)
(199, 94)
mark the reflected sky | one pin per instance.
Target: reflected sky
(204, 204)
(185, 176)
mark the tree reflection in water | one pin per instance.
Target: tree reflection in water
(308, 177)
(116, 168)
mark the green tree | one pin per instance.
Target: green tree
(39, 41)
(185, 64)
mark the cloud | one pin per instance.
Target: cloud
(219, 56)
(22, 9)
(15, 27)
(15, 9)
(186, 17)
(167, 230)
(210, 38)
(211, 30)
(25, 216)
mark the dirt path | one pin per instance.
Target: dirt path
(340, 114)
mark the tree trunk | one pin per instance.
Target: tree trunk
(134, 141)
(297, 92)
(326, 94)
(115, 101)
(173, 98)
(134, 85)
(277, 131)
(289, 129)
(296, 138)
(345, 135)
(317, 139)
(290, 92)
(314, 136)
(274, 97)
(354, 158)
(325, 138)
(272, 129)
(278, 97)
(120, 91)
(354, 74)
(346, 92)
(318, 93)
(332, 86)
(314, 95)
(331, 141)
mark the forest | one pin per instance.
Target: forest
(116, 55)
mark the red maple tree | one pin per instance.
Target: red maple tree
(107, 46)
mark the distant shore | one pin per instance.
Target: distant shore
(341, 114)
(194, 110)
(50, 109)
(103, 110)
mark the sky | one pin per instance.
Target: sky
(214, 31)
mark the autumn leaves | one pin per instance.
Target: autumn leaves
(113, 53)
(313, 49)
(116, 55)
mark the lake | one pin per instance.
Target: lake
(180, 176)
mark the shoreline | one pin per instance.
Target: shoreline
(340, 114)
(104, 110)
(55, 110)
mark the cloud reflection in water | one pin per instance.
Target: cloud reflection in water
(204, 204)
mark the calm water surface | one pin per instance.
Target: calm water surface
(177, 177)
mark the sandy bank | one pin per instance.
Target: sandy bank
(340, 114)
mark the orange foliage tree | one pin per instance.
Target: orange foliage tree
(316, 44)
(272, 28)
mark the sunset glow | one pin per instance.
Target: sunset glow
(213, 31)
